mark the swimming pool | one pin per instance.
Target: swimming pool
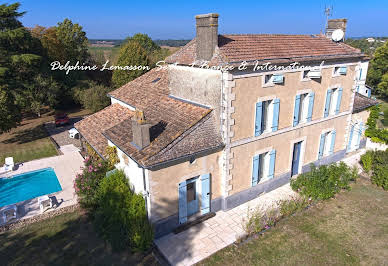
(28, 186)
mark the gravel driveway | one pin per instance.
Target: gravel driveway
(61, 134)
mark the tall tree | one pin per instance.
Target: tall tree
(131, 54)
(378, 67)
(20, 58)
(145, 41)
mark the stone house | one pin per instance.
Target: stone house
(204, 134)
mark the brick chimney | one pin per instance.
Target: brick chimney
(140, 130)
(207, 35)
(334, 24)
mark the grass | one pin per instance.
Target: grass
(30, 140)
(350, 229)
(67, 239)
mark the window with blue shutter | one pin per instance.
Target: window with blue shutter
(275, 120)
(333, 133)
(296, 110)
(321, 146)
(360, 74)
(360, 128)
(205, 199)
(255, 170)
(342, 70)
(327, 104)
(369, 92)
(277, 79)
(259, 110)
(339, 97)
(350, 138)
(272, 159)
(182, 202)
(311, 106)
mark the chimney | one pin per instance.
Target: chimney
(140, 130)
(207, 35)
(334, 24)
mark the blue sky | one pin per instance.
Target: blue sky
(104, 19)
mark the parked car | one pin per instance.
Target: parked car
(61, 119)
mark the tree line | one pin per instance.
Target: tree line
(27, 83)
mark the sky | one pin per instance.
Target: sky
(104, 19)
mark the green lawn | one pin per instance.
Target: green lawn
(30, 141)
(350, 229)
(67, 239)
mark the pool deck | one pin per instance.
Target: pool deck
(66, 167)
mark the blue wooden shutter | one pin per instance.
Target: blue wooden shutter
(311, 106)
(277, 78)
(272, 160)
(359, 135)
(343, 70)
(357, 88)
(205, 202)
(255, 170)
(350, 138)
(327, 104)
(296, 110)
(321, 146)
(182, 202)
(369, 92)
(332, 141)
(337, 109)
(360, 74)
(259, 110)
(275, 120)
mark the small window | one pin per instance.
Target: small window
(191, 193)
(340, 71)
(271, 80)
(268, 80)
(193, 160)
(305, 75)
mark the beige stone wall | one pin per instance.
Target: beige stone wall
(244, 105)
(283, 144)
(164, 183)
(361, 116)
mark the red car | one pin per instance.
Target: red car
(61, 119)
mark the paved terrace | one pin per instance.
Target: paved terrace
(66, 167)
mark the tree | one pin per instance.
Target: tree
(92, 96)
(378, 67)
(145, 41)
(382, 88)
(131, 54)
(20, 61)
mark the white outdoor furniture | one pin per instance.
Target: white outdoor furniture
(45, 202)
(9, 164)
(73, 133)
(9, 212)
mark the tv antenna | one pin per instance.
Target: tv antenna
(328, 13)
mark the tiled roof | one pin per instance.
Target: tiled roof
(170, 118)
(268, 47)
(91, 127)
(362, 102)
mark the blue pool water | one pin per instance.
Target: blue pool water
(28, 186)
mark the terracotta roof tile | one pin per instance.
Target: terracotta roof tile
(362, 102)
(265, 47)
(91, 127)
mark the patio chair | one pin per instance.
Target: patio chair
(9, 164)
(45, 202)
(9, 212)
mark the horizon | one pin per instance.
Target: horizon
(175, 20)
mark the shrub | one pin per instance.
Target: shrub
(325, 181)
(87, 183)
(258, 220)
(291, 206)
(121, 217)
(380, 169)
(367, 160)
(385, 121)
(376, 135)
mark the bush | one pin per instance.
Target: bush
(121, 217)
(87, 183)
(325, 181)
(375, 134)
(367, 160)
(385, 121)
(380, 169)
(258, 220)
(291, 206)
